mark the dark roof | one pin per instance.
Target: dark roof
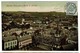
(9, 38)
(22, 38)
(74, 38)
(68, 46)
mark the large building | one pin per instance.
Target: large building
(24, 40)
(9, 42)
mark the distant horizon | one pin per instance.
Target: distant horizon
(34, 6)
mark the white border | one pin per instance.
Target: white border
(41, 51)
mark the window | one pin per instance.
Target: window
(14, 42)
(6, 44)
(11, 43)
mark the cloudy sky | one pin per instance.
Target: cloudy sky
(34, 6)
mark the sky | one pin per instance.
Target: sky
(34, 6)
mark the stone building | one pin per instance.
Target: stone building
(9, 42)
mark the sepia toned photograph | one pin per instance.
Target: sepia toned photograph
(39, 26)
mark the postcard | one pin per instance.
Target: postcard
(39, 25)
